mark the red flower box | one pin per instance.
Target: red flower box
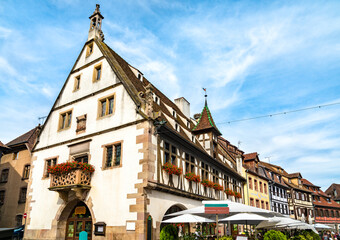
(229, 192)
(217, 187)
(207, 183)
(192, 177)
(172, 169)
(237, 194)
(63, 168)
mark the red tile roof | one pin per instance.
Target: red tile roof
(250, 156)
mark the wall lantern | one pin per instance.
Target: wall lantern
(99, 228)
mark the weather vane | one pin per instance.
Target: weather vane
(205, 95)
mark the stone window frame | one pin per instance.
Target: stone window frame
(76, 84)
(107, 101)
(45, 173)
(22, 195)
(98, 66)
(68, 115)
(2, 174)
(113, 144)
(89, 49)
(26, 171)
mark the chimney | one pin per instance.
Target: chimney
(183, 105)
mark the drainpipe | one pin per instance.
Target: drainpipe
(247, 188)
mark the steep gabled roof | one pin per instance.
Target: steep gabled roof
(3, 145)
(28, 137)
(206, 121)
(330, 191)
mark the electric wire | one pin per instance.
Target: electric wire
(280, 113)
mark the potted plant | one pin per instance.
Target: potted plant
(192, 177)
(172, 169)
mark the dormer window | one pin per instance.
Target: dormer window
(174, 113)
(176, 127)
(156, 99)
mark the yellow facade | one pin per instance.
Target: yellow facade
(256, 190)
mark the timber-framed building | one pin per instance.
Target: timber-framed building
(147, 152)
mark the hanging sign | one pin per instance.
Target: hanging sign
(25, 215)
(216, 209)
(80, 210)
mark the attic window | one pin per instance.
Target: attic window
(140, 77)
(156, 99)
(176, 127)
(174, 113)
(97, 72)
(89, 49)
(188, 124)
(76, 83)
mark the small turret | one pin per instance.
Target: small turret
(96, 25)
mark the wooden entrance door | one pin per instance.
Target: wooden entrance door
(79, 220)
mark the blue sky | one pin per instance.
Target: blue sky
(254, 58)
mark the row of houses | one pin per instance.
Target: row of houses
(139, 156)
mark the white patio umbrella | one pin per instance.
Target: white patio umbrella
(277, 222)
(234, 208)
(187, 218)
(244, 218)
(321, 226)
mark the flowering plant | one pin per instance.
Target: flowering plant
(207, 183)
(179, 225)
(229, 192)
(67, 167)
(172, 169)
(192, 177)
(217, 187)
(237, 194)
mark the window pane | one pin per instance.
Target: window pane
(111, 105)
(118, 153)
(63, 121)
(99, 69)
(70, 229)
(109, 150)
(69, 119)
(103, 110)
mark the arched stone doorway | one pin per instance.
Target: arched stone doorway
(74, 218)
(79, 220)
(176, 208)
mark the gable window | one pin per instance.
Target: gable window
(4, 175)
(89, 49)
(49, 163)
(2, 197)
(15, 155)
(97, 72)
(22, 196)
(106, 106)
(76, 83)
(18, 220)
(26, 172)
(174, 113)
(112, 155)
(65, 120)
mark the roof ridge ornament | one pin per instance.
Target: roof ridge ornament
(96, 25)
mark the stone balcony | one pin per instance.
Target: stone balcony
(76, 182)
